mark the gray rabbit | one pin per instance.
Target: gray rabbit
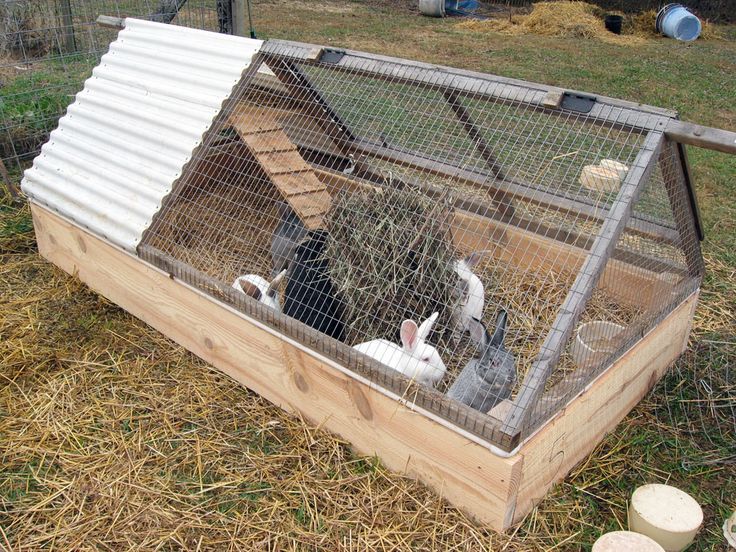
(487, 379)
(289, 232)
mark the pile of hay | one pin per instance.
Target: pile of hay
(641, 24)
(571, 19)
(566, 19)
(221, 229)
(390, 258)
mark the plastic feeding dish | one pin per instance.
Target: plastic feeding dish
(595, 341)
(625, 541)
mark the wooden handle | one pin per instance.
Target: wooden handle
(701, 136)
(111, 22)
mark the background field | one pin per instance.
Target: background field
(112, 437)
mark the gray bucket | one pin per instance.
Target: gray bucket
(676, 21)
(432, 8)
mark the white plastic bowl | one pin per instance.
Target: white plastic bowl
(594, 341)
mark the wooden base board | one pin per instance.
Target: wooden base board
(496, 490)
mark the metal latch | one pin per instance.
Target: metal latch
(331, 55)
(581, 103)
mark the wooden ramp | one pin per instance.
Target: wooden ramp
(281, 161)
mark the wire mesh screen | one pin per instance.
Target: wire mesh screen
(697, 413)
(654, 266)
(49, 47)
(423, 226)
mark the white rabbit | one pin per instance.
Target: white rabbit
(414, 358)
(469, 293)
(261, 289)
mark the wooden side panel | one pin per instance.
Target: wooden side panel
(567, 439)
(467, 474)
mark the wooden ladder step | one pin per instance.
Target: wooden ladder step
(280, 160)
(267, 142)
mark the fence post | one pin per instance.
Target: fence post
(67, 44)
(240, 27)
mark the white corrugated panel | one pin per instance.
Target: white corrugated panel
(127, 136)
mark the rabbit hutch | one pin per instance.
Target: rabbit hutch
(472, 277)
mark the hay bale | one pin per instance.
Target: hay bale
(566, 19)
(390, 258)
(642, 24)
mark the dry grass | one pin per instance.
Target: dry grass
(641, 24)
(572, 19)
(390, 256)
(559, 19)
(112, 437)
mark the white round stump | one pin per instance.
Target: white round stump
(625, 541)
(666, 514)
(729, 531)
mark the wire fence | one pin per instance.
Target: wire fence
(49, 47)
(697, 408)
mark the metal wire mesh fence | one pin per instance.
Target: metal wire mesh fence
(49, 47)
(440, 232)
(697, 410)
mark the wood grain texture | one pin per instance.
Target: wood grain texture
(497, 491)
(567, 439)
(467, 474)
(700, 136)
(280, 160)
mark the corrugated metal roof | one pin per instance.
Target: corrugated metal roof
(127, 136)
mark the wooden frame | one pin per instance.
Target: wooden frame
(497, 489)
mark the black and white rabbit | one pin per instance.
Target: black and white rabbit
(489, 378)
(261, 289)
(310, 295)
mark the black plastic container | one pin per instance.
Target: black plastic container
(613, 23)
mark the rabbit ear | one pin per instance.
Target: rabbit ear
(426, 326)
(500, 331)
(249, 288)
(478, 333)
(473, 259)
(409, 335)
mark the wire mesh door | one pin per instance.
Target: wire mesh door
(430, 228)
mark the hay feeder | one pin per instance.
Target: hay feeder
(165, 179)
